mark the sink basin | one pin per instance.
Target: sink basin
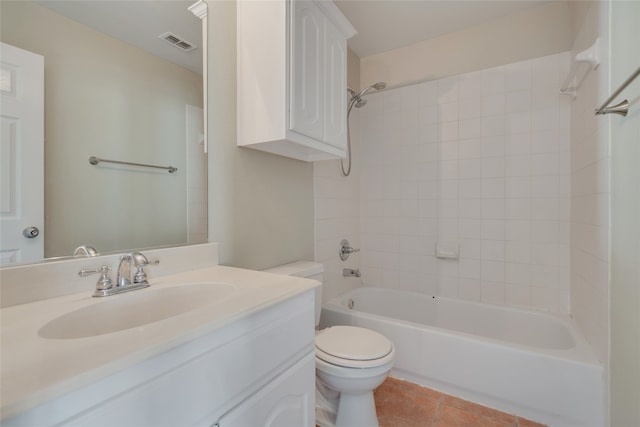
(134, 309)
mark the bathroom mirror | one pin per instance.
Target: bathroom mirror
(122, 81)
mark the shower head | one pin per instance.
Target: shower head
(377, 86)
(357, 100)
(360, 102)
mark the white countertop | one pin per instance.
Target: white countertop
(35, 369)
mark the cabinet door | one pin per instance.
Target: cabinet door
(287, 401)
(307, 70)
(335, 106)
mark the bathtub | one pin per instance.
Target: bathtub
(528, 363)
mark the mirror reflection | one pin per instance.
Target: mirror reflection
(113, 89)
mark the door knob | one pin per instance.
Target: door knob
(30, 232)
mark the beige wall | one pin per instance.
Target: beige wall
(625, 226)
(533, 33)
(353, 70)
(261, 205)
(108, 99)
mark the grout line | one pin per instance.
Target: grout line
(437, 415)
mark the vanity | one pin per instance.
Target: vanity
(204, 345)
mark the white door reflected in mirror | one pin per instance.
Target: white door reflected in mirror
(22, 156)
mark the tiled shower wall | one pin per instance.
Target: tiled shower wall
(478, 162)
(337, 216)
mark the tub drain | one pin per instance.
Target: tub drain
(350, 304)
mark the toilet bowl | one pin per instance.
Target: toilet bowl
(350, 363)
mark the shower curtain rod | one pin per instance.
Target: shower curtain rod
(621, 108)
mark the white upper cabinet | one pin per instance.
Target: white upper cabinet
(335, 88)
(307, 73)
(292, 78)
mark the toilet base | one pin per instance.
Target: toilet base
(344, 409)
(326, 405)
(357, 410)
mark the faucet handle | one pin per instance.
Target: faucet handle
(104, 282)
(140, 276)
(140, 261)
(346, 250)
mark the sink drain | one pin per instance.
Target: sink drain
(351, 303)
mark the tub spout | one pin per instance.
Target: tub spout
(351, 272)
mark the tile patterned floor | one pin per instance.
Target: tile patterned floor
(403, 404)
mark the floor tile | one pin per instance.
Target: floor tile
(400, 403)
(526, 423)
(450, 416)
(500, 418)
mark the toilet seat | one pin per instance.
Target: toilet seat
(353, 347)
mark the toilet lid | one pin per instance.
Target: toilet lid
(353, 343)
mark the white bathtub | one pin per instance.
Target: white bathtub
(531, 364)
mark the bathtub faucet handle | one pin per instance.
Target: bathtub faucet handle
(346, 250)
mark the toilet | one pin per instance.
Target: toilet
(350, 363)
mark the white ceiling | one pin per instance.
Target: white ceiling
(384, 25)
(381, 24)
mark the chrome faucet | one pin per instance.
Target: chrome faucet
(139, 261)
(124, 282)
(346, 250)
(85, 250)
(351, 272)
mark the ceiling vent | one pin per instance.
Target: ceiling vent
(178, 42)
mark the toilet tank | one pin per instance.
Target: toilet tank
(307, 270)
